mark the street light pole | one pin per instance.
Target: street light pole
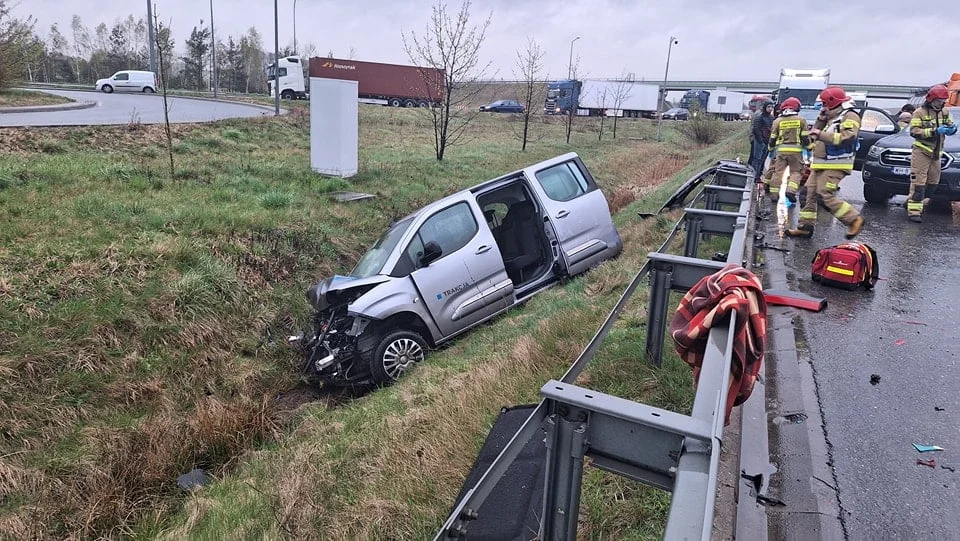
(570, 63)
(295, 51)
(276, 60)
(151, 47)
(663, 89)
(213, 53)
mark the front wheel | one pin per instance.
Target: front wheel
(872, 194)
(107, 89)
(148, 90)
(287, 95)
(396, 353)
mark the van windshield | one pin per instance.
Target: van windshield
(373, 261)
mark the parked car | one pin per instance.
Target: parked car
(875, 124)
(677, 113)
(886, 170)
(746, 115)
(503, 106)
(129, 81)
(453, 265)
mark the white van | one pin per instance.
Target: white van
(129, 81)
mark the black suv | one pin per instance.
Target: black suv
(886, 170)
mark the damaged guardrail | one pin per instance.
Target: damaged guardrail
(664, 449)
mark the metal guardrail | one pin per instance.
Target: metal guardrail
(660, 448)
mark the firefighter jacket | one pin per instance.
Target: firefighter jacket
(837, 143)
(923, 128)
(789, 133)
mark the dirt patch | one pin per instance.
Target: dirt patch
(287, 403)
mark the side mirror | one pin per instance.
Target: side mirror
(886, 129)
(431, 253)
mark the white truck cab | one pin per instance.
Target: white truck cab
(290, 81)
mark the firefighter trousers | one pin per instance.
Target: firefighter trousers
(924, 176)
(825, 183)
(792, 161)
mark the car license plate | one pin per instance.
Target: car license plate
(901, 170)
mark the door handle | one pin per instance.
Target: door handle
(483, 249)
(563, 214)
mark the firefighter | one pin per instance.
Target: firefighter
(929, 125)
(835, 133)
(789, 135)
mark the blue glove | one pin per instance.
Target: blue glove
(945, 130)
(953, 129)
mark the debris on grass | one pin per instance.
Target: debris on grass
(926, 448)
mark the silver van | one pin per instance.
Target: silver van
(453, 265)
(129, 81)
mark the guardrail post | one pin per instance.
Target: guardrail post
(566, 446)
(717, 196)
(732, 174)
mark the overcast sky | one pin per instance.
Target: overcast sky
(861, 42)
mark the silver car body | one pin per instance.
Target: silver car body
(501, 241)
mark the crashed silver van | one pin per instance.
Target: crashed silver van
(454, 264)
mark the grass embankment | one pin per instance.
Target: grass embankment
(142, 322)
(23, 98)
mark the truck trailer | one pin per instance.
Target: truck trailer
(382, 84)
(602, 97)
(719, 102)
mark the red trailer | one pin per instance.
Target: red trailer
(385, 84)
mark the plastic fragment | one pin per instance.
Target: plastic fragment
(926, 448)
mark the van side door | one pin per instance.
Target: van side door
(467, 282)
(577, 210)
(122, 81)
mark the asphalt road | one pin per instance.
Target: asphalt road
(904, 331)
(124, 108)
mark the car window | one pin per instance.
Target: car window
(283, 72)
(451, 228)
(372, 262)
(121, 77)
(563, 182)
(870, 119)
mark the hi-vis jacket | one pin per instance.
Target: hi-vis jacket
(836, 145)
(789, 133)
(923, 128)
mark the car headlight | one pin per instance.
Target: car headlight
(956, 157)
(874, 151)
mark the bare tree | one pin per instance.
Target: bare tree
(574, 69)
(81, 43)
(452, 45)
(604, 95)
(164, 51)
(621, 92)
(530, 72)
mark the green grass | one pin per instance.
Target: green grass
(23, 98)
(142, 317)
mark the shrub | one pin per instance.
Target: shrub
(50, 146)
(703, 129)
(276, 200)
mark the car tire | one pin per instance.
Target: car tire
(287, 95)
(396, 353)
(148, 90)
(106, 89)
(874, 195)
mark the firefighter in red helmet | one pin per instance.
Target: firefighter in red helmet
(930, 123)
(789, 135)
(836, 134)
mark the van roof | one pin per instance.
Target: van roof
(135, 71)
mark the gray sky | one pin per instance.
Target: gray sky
(861, 42)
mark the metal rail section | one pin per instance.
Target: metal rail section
(664, 449)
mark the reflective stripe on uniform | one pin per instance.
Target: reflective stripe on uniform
(837, 137)
(792, 186)
(830, 186)
(833, 166)
(920, 145)
(849, 123)
(789, 148)
(914, 206)
(843, 210)
(808, 215)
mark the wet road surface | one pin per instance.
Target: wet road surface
(904, 331)
(124, 108)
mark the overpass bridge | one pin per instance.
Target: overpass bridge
(766, 87)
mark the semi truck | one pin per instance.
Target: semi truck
(720, 102)
(289, 78)
(602, 97)
(395, 85)
(805, 85)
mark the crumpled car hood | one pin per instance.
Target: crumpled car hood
(337, 290)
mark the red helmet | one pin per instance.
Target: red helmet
(790, 103)
(937, 92)
(833, 96)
